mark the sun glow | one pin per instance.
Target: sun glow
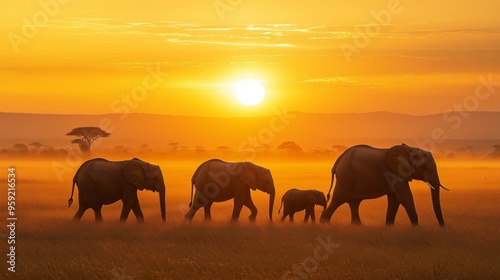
(250, 92)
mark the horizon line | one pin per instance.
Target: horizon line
(228, 117)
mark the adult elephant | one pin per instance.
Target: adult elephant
(102, 182)
(364, 172)
(216, 180)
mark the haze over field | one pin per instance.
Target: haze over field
(480, 130)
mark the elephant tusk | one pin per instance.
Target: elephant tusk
(430, 186)
(444, 187)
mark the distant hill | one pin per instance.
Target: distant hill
(479, 129)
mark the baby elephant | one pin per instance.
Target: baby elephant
(297, 200)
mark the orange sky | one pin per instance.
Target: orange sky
(89, 57)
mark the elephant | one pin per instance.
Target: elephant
(101, 182)
(216, 180)
(364, 172)
(297, 200)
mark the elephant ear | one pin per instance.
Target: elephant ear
(397, 160)
(312, 197)
(134, 174)
(248, 175)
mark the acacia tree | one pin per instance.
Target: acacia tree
(174, 146)
(496, 151)
(86, 136)
(36, 145)
(290, 148)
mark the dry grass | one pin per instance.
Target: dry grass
(50, 246)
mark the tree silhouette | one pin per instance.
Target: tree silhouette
(496, 151)
(86, 136)
(223, 150)
(36, 145)
(290, 147)
(339, 149)
(21, 148)
(200, 150)
(145, 148)
(174, 146)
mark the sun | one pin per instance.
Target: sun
(250, 92)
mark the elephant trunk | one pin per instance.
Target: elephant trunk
(162, 203)
(271, 203)
(436, 203)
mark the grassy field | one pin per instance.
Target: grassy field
(50, 246)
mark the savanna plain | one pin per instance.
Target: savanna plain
(50, 246)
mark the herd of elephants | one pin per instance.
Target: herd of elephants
(362, 172)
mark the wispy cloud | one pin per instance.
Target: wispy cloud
(189, 42)
(332, 80)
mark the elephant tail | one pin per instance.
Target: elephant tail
(281, 205)
(191, 201)
(196, 174)
(70, 200)
(331, 182)
(334, 170)
(331, 185)
(283, 199)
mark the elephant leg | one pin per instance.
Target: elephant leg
(284, 217)
(124, 213)
(98, 215)
(311, 213)
(129, 200)
(405, 197)
(79, 214)
(197, 204)
(207, 208)
(291, 217)
(249, 204)
(392, 209)
(138, 212)
(238, 204)
(82, 207)
(190, 214)
(241, 197)
(327, 214)
(354, 205)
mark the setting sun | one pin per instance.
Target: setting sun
(250, 92)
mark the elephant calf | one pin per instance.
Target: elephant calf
(297, 200)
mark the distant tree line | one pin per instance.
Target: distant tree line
(86, 136)
(287, 149)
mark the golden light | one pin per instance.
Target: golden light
(250, 92)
